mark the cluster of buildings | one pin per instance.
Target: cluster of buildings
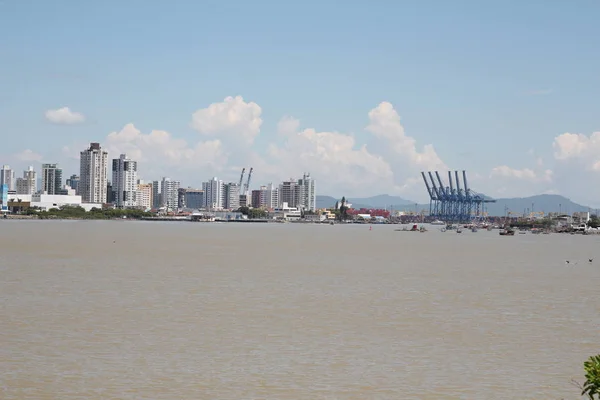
(94, 188)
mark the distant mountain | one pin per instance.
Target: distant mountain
(379, 201)
(544, 202)
(325, 201)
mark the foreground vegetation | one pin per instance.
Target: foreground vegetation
(77, 212)
(253, 213)
(591, 386)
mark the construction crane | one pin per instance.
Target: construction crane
(241, 177)
(513, 214)
(247, 186)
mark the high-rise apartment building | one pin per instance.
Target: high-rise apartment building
(266, 197)
(214, 194)
(289, 193)
(255, 198)
(124, 182)
(7, 177)
(181, 197)
(169, 194)
(144, 195)
(51, 179)
(93, 180)
(308, 196)
(232, 196)
(28, 183)
(194, 199)
(73, 183)
(156, 194)
(300, 194)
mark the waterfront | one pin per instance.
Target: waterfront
(103, 309)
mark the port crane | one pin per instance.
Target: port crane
(241, 178)
(247, 185)
(456, 202)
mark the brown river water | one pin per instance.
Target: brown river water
(148, 310)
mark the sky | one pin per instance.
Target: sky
(361, 95)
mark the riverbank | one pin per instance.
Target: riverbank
(17, 216)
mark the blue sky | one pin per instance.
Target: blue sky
(490, 86)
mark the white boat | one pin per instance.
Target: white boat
(438, 222)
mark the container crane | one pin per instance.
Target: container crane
(241, 177)
(456, 202)
(247, 186)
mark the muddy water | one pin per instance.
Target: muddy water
(135, 310)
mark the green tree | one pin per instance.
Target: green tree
(343, 210)
(244, 210)
(594, 221)
(591, 386)
(257, 213)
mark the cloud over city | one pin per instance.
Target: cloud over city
(384, 158)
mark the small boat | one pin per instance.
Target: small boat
(459, 230)
(438, 222)
(474, 229)
(507, 232)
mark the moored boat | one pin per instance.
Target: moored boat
(507, 232)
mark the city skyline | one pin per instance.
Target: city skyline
(360, 100)
(127, 191)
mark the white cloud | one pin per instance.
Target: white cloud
(334, 159)
(506, 171)
(571, 146)
(385, 124)
(29, 155)
(232, 118)
(64, 116)
(288, 125)
(159, 152)
(506, 181)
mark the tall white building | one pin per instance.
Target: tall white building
(266, 197)
(124, 182)
(300, 194)
(169, 194)
(144, 195)
(7, 177)
(232, 196)
(51, 179)
(214, 194)
(93, 181)
(308, 195)
(28, 183)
